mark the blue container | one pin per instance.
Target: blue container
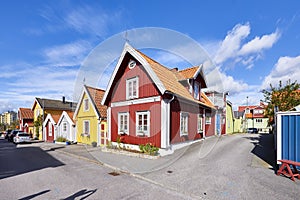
(288, 136)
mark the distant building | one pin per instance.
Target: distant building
(254, 117)
(8, 117)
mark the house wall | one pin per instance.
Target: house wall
(48, 137)
(210, 129)
(132, 138)
(238, 125)
(229, 119)
(146, 87)
(193, 111)
(91, 116)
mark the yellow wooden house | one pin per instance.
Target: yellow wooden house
(42, 107)
(90, 117)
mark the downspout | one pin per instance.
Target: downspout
(168, 116)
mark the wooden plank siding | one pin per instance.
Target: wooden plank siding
(193, 111)
(132, 138)
(146, 87)
(48, 137)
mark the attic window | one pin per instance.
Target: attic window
(132, 86)
(131, 64)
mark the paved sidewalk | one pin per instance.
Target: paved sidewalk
(128, 162)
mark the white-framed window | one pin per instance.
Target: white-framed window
(132, 88)
(123, 123)
(143, 123)
(196, 90)
(64, 126)
(86, 104)
(184, 119)
(207, 118)
(86, 127)
(200, 123)
(50, 129)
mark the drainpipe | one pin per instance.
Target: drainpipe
(168, 116)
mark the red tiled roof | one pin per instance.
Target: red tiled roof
(170, 79)
(25, 113)
(189, 72)
(97, 95)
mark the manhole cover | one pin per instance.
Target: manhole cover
(114, 173)
(170, 171)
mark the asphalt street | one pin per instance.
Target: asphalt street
(240, 166)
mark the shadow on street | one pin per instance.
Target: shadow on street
(82, 193)
(34, 195)
(15, 161)
(264, 148)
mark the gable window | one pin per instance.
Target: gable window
(200, 123)
(184, 123)
(86, 127)
(196, 90)
(143, 123)
(64, 125)
(86, 104)
(208, 119)
(50, 129)
(132, 87)
(123, 123)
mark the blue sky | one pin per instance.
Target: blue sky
(44, 43)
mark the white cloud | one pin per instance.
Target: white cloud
(67, 54)
(260, 43)
(232, 43)
(286, 68)
(234, 51)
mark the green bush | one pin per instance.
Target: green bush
(148, 149)
(61, 139)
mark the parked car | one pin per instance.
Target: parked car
(22, 137)
(12, 135)
(252, 130)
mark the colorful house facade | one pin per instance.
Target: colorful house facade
(254, 118)
(90, 117)
(66, 126)
(25, 116)
(229, 118)
(42, 107)
(149, 103)
(50, 127)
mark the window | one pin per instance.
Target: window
(37, 112)
(86, 127)
(132, 88)
(184, 123)
(200, 123)
(123, 123)
(258, 120)
(208, 119)
(86, 104)
(64, 127)
(50, 129)
(143, 123)
(196, 90)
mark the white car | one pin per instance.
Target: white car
(22, 137)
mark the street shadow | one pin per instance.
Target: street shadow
(15, 161)
(82, 193)
(264, 148)
(34, 195)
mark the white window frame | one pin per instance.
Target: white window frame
(86, 106)
(130, 90)
(200, 123)
(138, 130)
(184, 123)
(121, 125)
(208, 118)
(64, 127)
(50, 129)
(86, 125)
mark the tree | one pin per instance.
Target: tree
(37, 123)
(284, 98)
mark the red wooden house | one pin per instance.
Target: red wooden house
(25, 116)
(149, 103)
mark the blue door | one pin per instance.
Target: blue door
(218, 124)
